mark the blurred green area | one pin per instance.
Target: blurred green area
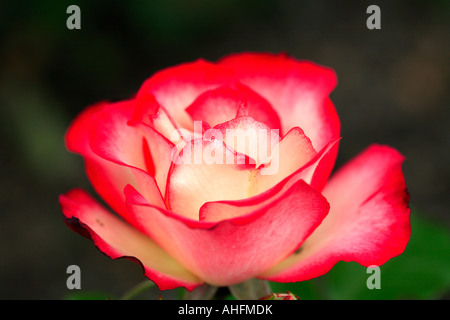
(393, 89)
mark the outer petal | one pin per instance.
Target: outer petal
(232, 251)
(112, 139)
(368, 221)
(297, 90)
(77, 137)
(119, 240)
(107, 178)
(177, 87)
(117, 154)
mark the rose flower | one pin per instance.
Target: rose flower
(220, 173)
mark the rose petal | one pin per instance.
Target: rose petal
(149, 112)
(250, 137)
(177, 87)
(77, 137)
(161, 152)
(227, 102)
(232, 251)
(138, 148)
(218, 210)
(113, 139)
(115, 154)
(228, 209)
(368, 220)
(195, 184)
(297, 90)
(289, 155)
(206, 171)
(119, 240)
(315, 172)
(107, 178)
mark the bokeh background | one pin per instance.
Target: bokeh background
(393, 89)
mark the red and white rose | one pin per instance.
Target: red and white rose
(198, 205)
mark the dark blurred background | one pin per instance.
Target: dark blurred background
(393, 89)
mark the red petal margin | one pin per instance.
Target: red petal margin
(137, 148)
(225, 103)
(297, 90)
(150, 113)
(114, 153)
(107, 178)
(111, 138)
(119, 240)
(175, 88)
(231, 251)
(368, 220)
